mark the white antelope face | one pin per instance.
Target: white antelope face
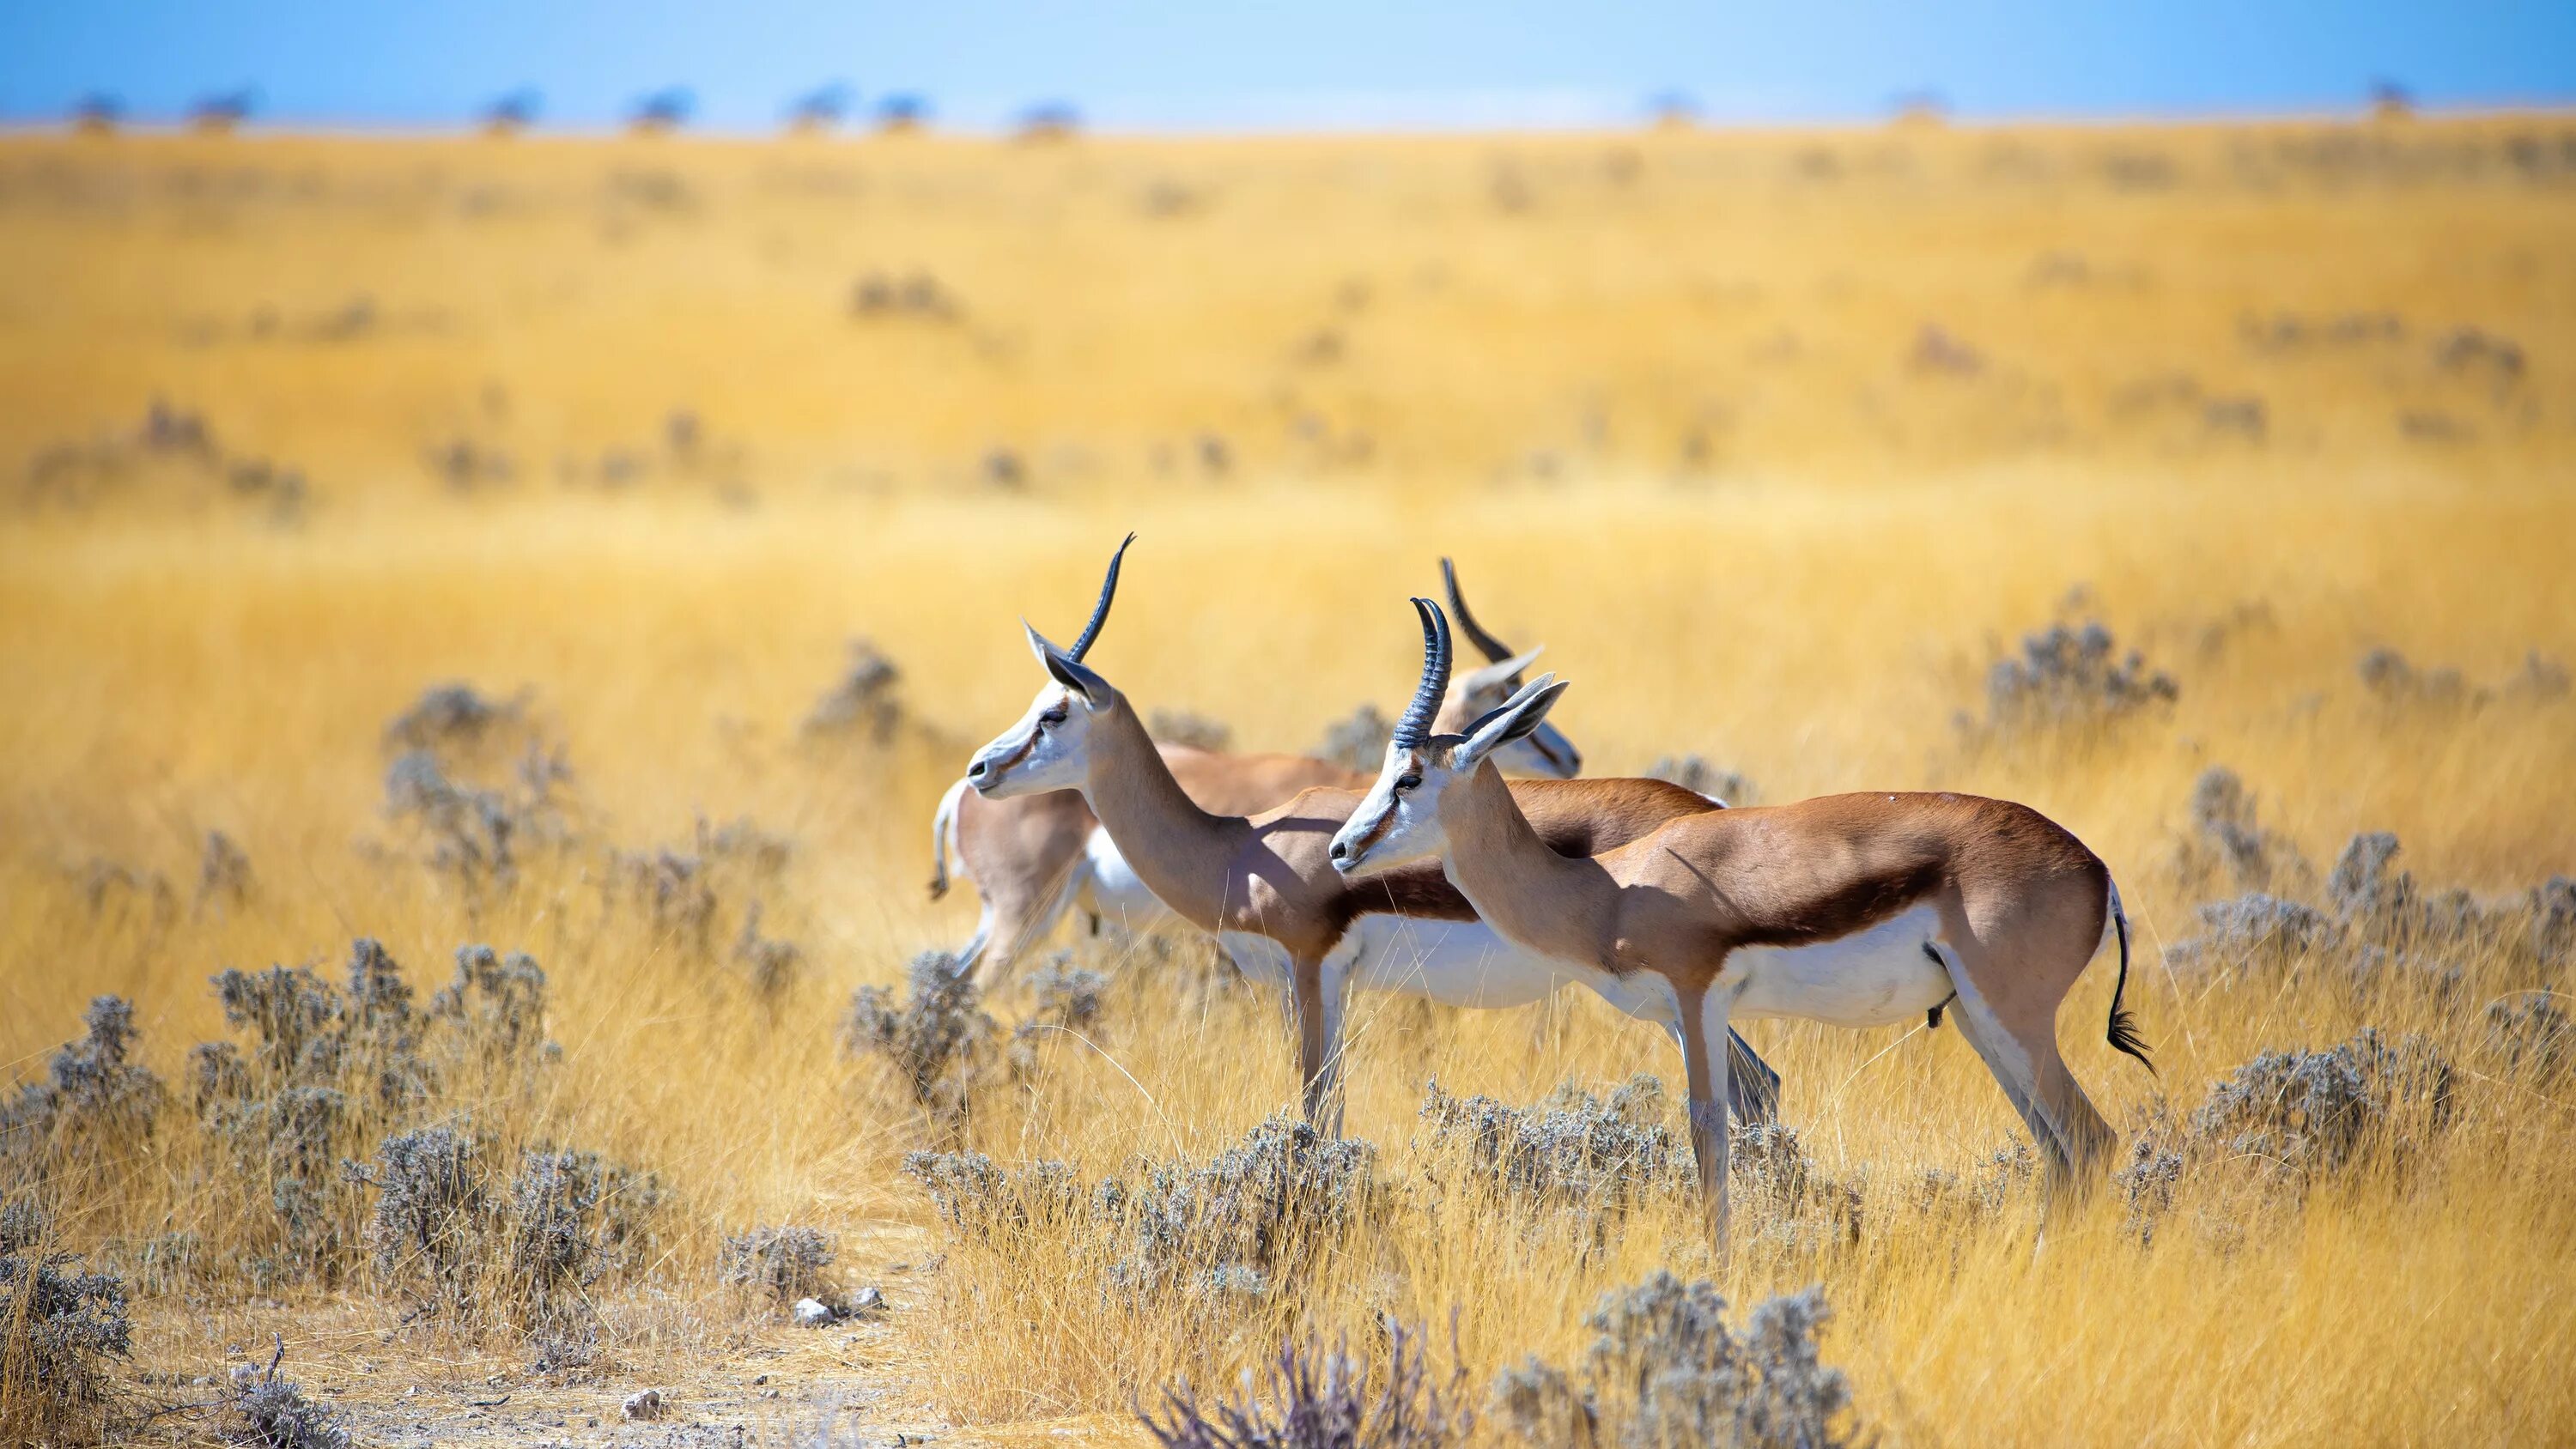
(1546, 752)
(1399, 820)
(1050, 747)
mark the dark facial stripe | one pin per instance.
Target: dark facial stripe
(1538, 742)
(1022, 753)
(1376, 832)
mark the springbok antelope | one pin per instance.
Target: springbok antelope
(1858, 910)
(1265, 884)
(1034, 857)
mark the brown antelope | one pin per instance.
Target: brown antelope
(1033, 857)
(1858, 910)
(1265, 884)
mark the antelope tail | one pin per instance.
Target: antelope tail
(2124, 1027)
(943, 838)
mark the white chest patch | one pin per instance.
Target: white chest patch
(1875, 977)
(1116, 893)
(1461, 963)
(1641, 994)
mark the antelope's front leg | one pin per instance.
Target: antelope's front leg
(1317, 1050)
(1704, 1037)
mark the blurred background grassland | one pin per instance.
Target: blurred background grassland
(1779, 441)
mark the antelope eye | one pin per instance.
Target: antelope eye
(1406, 782)
(1053, 716)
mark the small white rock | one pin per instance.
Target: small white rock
(867, 1300)
(646, 1405)
(812, 1313)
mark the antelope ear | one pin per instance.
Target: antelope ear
(1064, 669)
(1514, 719)
(1500, 672)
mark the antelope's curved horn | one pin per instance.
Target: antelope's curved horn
(1100, 611)
(1415, 726)
(1495, 650)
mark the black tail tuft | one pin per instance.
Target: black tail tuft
(2124, 1027)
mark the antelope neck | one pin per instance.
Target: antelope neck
(1178, 850)
(1558, 906)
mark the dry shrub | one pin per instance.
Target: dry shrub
(1065, 998)
(1727, 787)
(938, 1038)
(1238, 1223)
(475, 783)
(1166, 1266)
(2227, 840)
(1185, 727)
(2068, 677)
(455, 1238)
(2305, 1114)
(572, 1219)
(2532, 1036)
(1319, 1398)
(224, 876)
(322, 1072)
(2291, 1120)
(474, 833)
(1358, 741)
(1246, 1219)
(318, 1075)
(431, 1204)
(2400, 685)
(684, 894)
(2374, 926)
(867, 699)
(785, 1263)
(1587, 1162)
(1667, 1373)
(768, 964)
(452, 716)
(62, 1332)
(263, 1411)
(93, 1103)
(1577, 1154)
(171, 456)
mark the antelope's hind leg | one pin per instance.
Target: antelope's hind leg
(2023, 1056)
(1752, 1088)
(1015, 923)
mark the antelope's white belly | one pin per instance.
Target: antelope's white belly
(1116, 893)
(1641, 994)
(1461, 963)
(1874, 977)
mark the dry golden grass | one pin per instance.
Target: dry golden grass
(1667, 398)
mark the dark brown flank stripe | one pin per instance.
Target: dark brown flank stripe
(1848, 912)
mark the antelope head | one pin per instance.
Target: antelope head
(1050, 748)
(1545, 751)
(1398, 821)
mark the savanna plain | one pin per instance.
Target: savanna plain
(485, 622)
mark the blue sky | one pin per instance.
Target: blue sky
(1329, 63)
